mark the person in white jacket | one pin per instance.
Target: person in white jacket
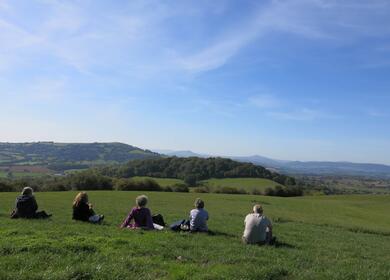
(258, 228)
(199, 217)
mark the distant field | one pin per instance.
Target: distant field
(327, 237)
(247, 184)
(4, 174)
(22, 171)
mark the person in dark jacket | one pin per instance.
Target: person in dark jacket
(26, 206)
(82, 209)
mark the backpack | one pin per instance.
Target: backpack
(158, 219)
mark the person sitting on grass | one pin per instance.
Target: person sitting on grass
(258, 228)
(140, 215)
(26, 206)
(82, 209)
(199, 217)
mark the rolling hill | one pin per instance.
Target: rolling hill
(327, 168)
(63, 156)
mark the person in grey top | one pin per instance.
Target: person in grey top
(199, 217)
(258, 228)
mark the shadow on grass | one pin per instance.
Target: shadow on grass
(220, 233)
(281, 244)
(280, 220)
(210, 233)
(368, 231)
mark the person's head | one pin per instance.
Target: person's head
(27, 191)
(199, 203)
(258, 209)
(81, 197)
(141, 201)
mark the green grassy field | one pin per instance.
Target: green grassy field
(248, 184)
(323, 237)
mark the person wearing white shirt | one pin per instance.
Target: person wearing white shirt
(258, 228)
(199, 217)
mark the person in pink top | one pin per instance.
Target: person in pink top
(139, 216)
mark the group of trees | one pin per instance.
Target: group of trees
(193, 169)
(88, 180)
(284, 191)
(190, 170)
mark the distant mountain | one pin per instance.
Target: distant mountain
(61, 156)
(308, 167)
(336, 168)
(256, 159)
(181, 153)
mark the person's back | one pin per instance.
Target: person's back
(26, 206)
(141, 215)
(82, 212)
(198, 220)
(82, 209)
(199, 217)
(258, 228)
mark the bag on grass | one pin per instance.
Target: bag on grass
(158, 219)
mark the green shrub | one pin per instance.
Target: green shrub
(202, 189)
(7, 187)
(137, 185)
(230, 190)
(284, 191)
(180, 188)
(89, 181)
(256, 192)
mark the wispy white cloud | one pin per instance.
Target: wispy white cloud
(283, 109)
(375, 113)
(47, 89)
(274, 17)
(265, 101)
(303, 114)
(220, 51)
(4, 5)
(312, 19)
(73, 33)
(13, 37)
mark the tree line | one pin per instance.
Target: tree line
(190, 170)
(193, 169)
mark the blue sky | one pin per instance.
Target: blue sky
(296, 79)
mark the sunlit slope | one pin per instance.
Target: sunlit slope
(338, 237)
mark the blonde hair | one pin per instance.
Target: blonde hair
(81, 197)
(141, 200)
(199, 203)
(27, 191)
(258, 209)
